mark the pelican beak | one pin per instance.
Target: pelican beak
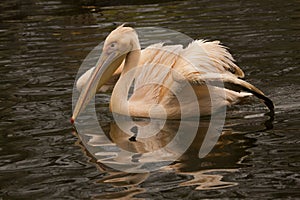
(107, 64)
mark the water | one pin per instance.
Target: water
(42, 46)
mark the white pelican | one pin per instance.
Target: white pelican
(201, 64)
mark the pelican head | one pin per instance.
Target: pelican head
(118, 45)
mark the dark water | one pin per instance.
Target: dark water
(42, 46)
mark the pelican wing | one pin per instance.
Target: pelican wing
(156, 62)
(210, 63)
(206, 57)
(232, 83)
(155, 66)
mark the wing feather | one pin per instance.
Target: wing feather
(209, 57)
(210, 63)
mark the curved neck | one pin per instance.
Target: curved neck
(119, 98)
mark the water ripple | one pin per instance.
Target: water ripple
(43, 43)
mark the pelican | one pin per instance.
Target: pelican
(202, 65)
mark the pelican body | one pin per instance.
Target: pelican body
(162, 72)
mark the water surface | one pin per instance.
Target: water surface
(43, 43)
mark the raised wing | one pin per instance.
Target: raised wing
(210, 63)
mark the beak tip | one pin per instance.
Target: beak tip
(72, 120)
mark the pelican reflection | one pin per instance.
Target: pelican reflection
(210, 155)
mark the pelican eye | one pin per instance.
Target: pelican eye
(113, 45)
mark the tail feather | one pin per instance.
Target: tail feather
(240, 85)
